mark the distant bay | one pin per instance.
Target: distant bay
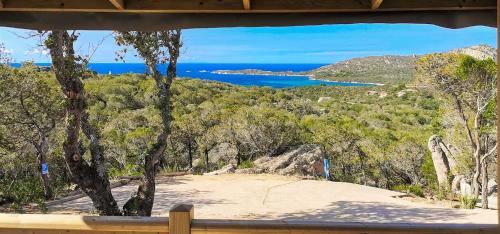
(205, 71)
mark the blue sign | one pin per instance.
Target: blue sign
(45, 168)
(327, 169)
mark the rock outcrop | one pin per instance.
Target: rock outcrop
(229, 169)
(478, 52)
(306, 160)
(440, 159)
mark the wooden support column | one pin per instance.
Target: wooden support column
(247, 4)
(179, 219)
(376, 4)
(498, 108)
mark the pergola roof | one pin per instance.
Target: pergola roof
(161, 14)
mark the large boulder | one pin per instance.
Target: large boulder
(305, 160)
(440, 159)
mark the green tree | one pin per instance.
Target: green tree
(91, 176)
(154, 48)
(470, 85)
(31, 108)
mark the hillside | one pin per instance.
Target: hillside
(387, 69)
(375, 69)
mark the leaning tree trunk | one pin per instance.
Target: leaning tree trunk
(91, 178)
(477, 173)
(440, 160)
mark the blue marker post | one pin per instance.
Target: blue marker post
(45, 169)
(327, 169)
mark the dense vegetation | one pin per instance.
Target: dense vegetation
(375, 136)
(246, 122)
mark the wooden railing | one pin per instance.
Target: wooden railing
(182, 221)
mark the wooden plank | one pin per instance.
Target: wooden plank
(235, 6)
(289, 227)
(119, 4)
(83, 223)
(180, 217)
(43, 231)
(376, 4)
(247, 4)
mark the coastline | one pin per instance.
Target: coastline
(271, 73)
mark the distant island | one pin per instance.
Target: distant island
(259, 72)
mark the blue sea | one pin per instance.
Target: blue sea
(205, 71)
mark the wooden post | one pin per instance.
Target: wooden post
(498, 108)
(179, 219)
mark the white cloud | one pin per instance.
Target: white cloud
(36, 51)
(6, 50)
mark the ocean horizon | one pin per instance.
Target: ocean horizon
(205, 71)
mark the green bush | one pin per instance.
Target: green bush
(411, 189)
(246, 164)
(468, 202)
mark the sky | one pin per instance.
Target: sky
(305, 44)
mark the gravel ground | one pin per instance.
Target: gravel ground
(287, 198)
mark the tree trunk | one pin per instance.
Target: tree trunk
(484, 175)
(47, 190)
(238, 158)
(190, 154)
(238, 154)
(42, 159)
(484, 182)
(207, 165)
(477, 173)
(92, 178)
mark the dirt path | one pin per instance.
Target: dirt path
(279, 197)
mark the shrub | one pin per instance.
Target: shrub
(444, 192)
(468, 202)
(246, 164)
(411, 189)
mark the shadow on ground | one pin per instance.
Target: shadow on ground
(349, 211)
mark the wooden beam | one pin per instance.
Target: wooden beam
(287, 227)
(119, 4)
(235, 6)
(376, 4)
(247, 4)
(29, 223)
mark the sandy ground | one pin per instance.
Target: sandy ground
(287, 198)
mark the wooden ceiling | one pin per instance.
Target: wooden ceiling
(152, 15)
(242, 6)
